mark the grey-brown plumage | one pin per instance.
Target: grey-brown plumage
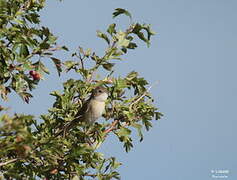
(91, 110)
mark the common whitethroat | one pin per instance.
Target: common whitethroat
(91, 110)
(95, 105)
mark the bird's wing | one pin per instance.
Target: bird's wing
(83, 110)
(79, 117)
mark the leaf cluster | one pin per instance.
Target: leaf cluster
(23, 46)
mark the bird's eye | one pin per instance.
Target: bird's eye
(99, 91)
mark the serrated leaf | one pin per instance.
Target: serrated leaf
(124, 132)
(147, 124)
(128, 145)
(158, 115)
(139, 130)
(111, 29)
(25, 96)
(137, 30)
(52, 39)
(122, 41)
(119, 11)
(149, 31)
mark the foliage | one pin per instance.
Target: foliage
(30, 149)
(23, 46)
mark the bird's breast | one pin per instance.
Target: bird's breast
(95, 110)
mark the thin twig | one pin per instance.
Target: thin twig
(148, 89)
(111, 127)
(91, 175)
(54, 48)
(45, 50)
(8, 162)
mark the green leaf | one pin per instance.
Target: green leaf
(52, 39)
(108, 66)
(25, 96)
(19, 21)
(76, 178)
(142, 37)
(32, 18)
(58, 64)
(158, 115)
(119, 11)
(147, 124)
(111, 29)
(120, 83)
(69, 65)
(44, 45)
(115, 164)
(124, 50)
(137, 29)
(45, 31)
(24, 52)
(56, 94)
(87, 53)
(65, 48)
(139, 130)
(122, 41)
(149, 31)
(132, 45)
(124, 132)
(128, 144)
(43, 67)
(103, 36)
(132, 75)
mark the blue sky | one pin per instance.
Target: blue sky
(193, 56)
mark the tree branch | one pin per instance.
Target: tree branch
(91, 175)
(8, 162)
(111, 127)
(46, 50)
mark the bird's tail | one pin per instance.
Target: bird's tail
(65, 129)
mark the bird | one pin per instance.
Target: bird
(91, 110)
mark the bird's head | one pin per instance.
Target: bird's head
(100, 93)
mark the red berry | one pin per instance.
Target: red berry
(32, 73)
(36, 76)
